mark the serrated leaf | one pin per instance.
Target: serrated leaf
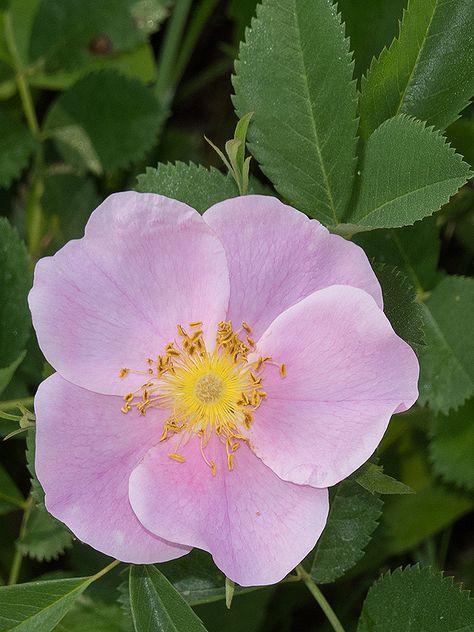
(105, 121)
(371, 477)
(11, 498)
(413, 249)
(427, 71)
(191, 184)
(15, 282)
(156, 606)
(353, 517)
(45, 538)
(416, 599)
(69, 33)
(452, 446)
(16, 146)
(371, 25)
(446, 366)
(39, 605)
(410, 181)
(400, 307)
(295, 74)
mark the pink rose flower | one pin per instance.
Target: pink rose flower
(215, 375)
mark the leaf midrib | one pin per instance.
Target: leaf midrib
(404, 195)
(415, 64)
(312, 116)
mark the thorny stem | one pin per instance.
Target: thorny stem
(320, 598)
(18, 557)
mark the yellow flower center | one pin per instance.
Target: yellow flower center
(206, 392)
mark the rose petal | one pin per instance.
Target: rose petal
(85, 451)
(256, 526)
(114, 298)
(277, 256)
(347, 373)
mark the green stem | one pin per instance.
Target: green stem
(18, 557)
(321, 599)
(168, 53)
(196, 26)
(9, 417)
(23, 87)
(11, 404)
(105, 570)
(33, 210)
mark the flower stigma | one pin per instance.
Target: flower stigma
(206, 392)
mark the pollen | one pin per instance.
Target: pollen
(206, 393)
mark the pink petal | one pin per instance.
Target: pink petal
(277, 256)
(114, 298)
(256, 526)
(85, 451)
(347, 373)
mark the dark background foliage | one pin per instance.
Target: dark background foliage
(93, 94)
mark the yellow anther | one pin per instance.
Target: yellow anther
(177, 457)
(282, 370)
(181, 331)
(123, 373)
(206, 393)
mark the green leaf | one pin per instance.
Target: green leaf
(69, 33)
(45, 538)
(405, 315)
(371, 477)
(452, 446)
(157, 606)
(426, 72)
(7, 373)
(295, 74)
(138, 63)
(192, 184)
(411, 518)
(416, 599)
(92, 616)
(11, 498)
(447, 370)
(353, 517)
(414, 249)
(371, 25)
(410, 181)
(39, 605)
(67, 202)
(197, 578)
(104, 122)
(15, 282)
(16, 146)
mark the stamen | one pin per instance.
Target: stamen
(206, 393)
